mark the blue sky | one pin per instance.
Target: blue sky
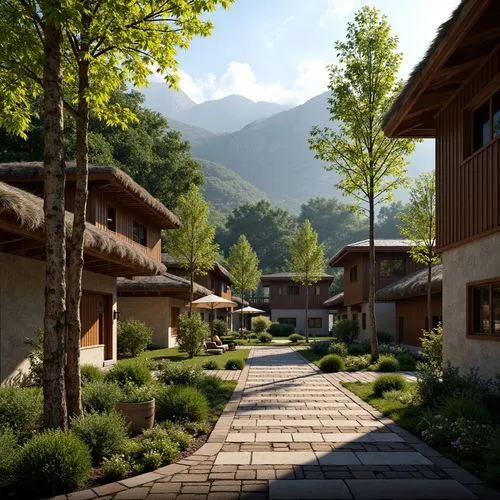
(277, 50)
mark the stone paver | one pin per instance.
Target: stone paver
(293, 432)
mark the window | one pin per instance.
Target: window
(315, 322)
(140, 234)
(392, 268)
(484, 309)
(363, 321)
(288, 321)
(355, 318)
(292, 290)
(280, 290)
(111, 218)
(315, 290)
(486, 122)
(353, 273)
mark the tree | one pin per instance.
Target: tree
(244, 266)
(363, 85)
(307, 261)
(389, 219)
(193, 244)
(419, 226)
(267, 229)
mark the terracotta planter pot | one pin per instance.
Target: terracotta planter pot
(140, 416)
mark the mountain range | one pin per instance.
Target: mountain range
(252, 150)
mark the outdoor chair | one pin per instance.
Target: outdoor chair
(212, 348)
(219, 343)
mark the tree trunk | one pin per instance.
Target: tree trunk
(55, 411)
(307, 314)
(371, 284)
(429, 295)
(191, 293)
(74, 325)
(241, 318)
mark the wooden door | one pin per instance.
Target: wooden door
(174, 320)
(96, 318)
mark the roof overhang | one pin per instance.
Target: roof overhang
(338, 259)
(462, 45)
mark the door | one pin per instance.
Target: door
(174, 320)
(97, 327)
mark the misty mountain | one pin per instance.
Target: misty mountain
(160, 97)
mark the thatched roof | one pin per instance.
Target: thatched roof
(166, 282)
(25, 210)
(336, 300)
(219, 269)
(133, 194)
(363, 246)
(285, 276)
(413, 285)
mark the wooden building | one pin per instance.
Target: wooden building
(454, 96)
(122, 239)
(392, 263)
(287, 302)
(409, 295)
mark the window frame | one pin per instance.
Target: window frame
(353, 273)
(295, 288)
(471, 112)
(315, 319)
(392, 275)
(112, 209)
(490, 283)
(139, 226)
(288, 321)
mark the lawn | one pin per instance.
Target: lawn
(173, 354)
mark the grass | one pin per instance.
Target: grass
(255, 342)
(173, 354)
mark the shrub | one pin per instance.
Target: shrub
(219, 327)
(191, 333)
(177, 434)
(103, 433)
(154, 448)
(345, 330)
(133, 337)
(35, 357)
(129, 371)
(394, 349)
(356, 349)
(210, 386)
(280, 329)
(100, 397)
(115, 467)
(387, 364)
(406, 361)
(252, 335)
(53, 462)
(210, 365)
(234, 364)
(470, 409)
(91, 373)
(432, 351)
(265, 337)
(294, 338)
(356, 363)
(179, 403)
(331, 363)
(180, 374)
(22, 410)
(320, 347)
(385, 338)
(9, 454)
(139, 393)
(260, 324)
(385, 383)
(338, 348)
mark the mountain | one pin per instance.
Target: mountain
(195, 135)
(160, 97)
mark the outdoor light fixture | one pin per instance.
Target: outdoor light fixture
(116, 314)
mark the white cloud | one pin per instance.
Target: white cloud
(336, 8)
(275, 32)
(239, 78)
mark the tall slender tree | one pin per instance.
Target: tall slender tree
(244, 266)
(363, 85)
(307, 261)
(419, 226)
(193, 245)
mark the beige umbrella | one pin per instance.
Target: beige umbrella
(213, 302)
(247, 310)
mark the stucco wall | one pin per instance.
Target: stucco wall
(385, 314)
(21, 310)
(300, 316)
(473, 261)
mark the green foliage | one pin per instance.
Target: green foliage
(35, 356)
(211, 364)
(219, 327)
(320, 347)
(385, 338)
(21, 409)
(386, 383)
(103, 433)
(180, 374)
(210, 386)
(356, 363)
(295, 338)
(179, 403)
(260, 324)
(191, 333)
(389, 219)
(53, 462)
(331, 363)
(406, 361)
(100, 396)
(133, 337)
(387, 364)
(243, 264)
(470, 409)
(432, 351)
(115, 467)
(129, 371)
(356, 349)
(90, 373)
(280, 329)
(138, 393)
(9, 455)
(154, 448)
(265, 337)
(338, 348)
(234, 364)
(345, 331)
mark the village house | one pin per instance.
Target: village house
(393, 262)
(122, 238)
(454, 96)
(287, 302)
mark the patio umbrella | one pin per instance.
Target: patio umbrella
(213, 302)
(247, 310)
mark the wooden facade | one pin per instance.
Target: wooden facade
(290, 295)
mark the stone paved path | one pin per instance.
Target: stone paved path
(292, 432)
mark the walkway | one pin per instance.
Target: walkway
(292, 432)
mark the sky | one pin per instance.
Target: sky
(278, 50)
